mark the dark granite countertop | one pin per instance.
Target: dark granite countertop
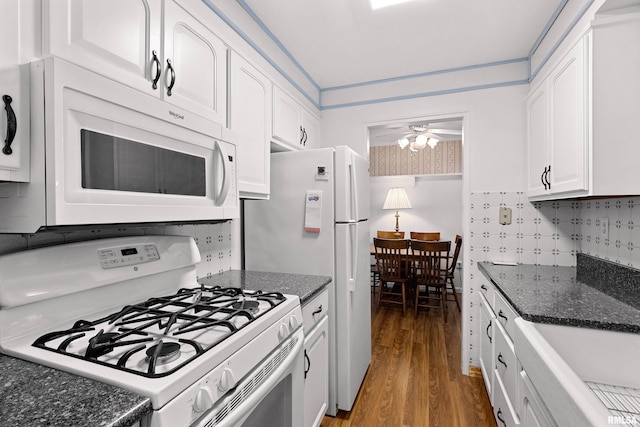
(547, 294)
(302, 285)
(34, 395)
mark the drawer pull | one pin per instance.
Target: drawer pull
(488, 327)
(483, 287)
(499, 417)
(501, 314)
(318, 311)
(501, 360)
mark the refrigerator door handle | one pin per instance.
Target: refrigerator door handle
(352, 280)
(354, 189)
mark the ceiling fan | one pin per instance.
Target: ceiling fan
(419, 136)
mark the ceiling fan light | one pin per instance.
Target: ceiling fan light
(421, 141)
(413, 146)
(403, 142)
(432, 142)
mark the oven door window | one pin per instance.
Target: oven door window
(275, 407)
(112, 163)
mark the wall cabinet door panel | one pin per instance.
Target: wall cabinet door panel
(198, 60)
(250, 118)
(114, 38)
(14, 98)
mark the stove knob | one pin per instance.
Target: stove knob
(204, 399)
(293, 323)
(283, 332)
(227, 381)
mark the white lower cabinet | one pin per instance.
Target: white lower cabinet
(533, 412)
(316, 359)
(488, 327)
(316, 382)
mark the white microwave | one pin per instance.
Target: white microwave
(103, 153)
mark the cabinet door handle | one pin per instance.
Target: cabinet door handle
(155, 61)
(12, 125)
(548, 177)
(544, 172)
(483, 287)
(501, 360)
(304, 137)
(499, 417)
(173, 77)
(318, 311)
(501, 314)
(308, 361)
(489, 327)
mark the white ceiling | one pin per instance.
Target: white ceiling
(341, 42)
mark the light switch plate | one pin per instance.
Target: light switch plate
(505, 216)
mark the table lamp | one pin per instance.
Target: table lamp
(397, 199)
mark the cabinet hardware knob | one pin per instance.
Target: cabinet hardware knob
(155, 61)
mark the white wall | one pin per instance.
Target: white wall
(436, 205)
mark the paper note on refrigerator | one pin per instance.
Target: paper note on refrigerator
(313, 211)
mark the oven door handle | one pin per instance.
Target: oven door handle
(257, 394)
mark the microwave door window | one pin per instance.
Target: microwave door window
(118, 164)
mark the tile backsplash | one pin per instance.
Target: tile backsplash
(548, 233)
(213, 240)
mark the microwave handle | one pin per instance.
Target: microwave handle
(226, 179)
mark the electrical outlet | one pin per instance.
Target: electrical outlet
(604, 228)
(505, 216)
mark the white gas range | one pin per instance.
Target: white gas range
(129, 312)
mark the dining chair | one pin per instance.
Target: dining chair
(430, 282)
(392, 263)
(381, 234)
(451, 271)
(390, 234)
(425, 235)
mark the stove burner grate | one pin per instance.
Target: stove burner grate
(190, 309)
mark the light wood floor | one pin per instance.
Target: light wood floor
(415, 379)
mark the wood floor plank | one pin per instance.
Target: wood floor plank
(415, 377)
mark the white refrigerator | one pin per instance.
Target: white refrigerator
(315, 222)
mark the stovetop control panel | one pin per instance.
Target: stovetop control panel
(127, 255)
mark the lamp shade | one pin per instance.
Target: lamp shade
(397, 199)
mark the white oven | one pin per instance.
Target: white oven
(102, 153)
(129, 311)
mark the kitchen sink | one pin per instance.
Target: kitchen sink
(586, 377)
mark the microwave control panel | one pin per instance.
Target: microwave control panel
(129, 255)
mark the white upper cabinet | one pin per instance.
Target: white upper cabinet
(14, 98)
(124, 39)
(557, 119)
(250, 118)
(116, 38)
(582, 115)
(195, 65)
(293, 125)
